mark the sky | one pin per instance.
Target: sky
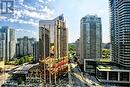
(27, 14)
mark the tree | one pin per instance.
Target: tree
(106, 54)
(24, 59)
(71, 47)
(21, 61)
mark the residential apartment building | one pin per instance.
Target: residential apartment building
(2, 46)
(120, 31)
(24, 46)
(117, 73)
(7, 43)
(12, 44)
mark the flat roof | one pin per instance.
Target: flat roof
(111, 68)
(104, 68)
(23, 69)
(90, 60)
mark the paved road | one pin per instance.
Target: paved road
(76, 79)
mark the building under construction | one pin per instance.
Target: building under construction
(53, 49)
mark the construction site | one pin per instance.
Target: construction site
(53, 49)
(52, 68)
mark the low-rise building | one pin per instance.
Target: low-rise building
(26, 75)
(113, 74)
(90, 66)
(108, 73)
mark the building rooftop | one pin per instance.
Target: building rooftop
(24, 69)
(104, 68)
(112, 68)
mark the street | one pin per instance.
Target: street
(75, 76)
(77, 79)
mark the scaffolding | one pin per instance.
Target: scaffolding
(56, 63)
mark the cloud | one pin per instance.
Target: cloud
(44, 14)
(31, 22)
(30, 13)
(2, 17)
(50, 0)
(41, 1)
(23, 30)
(17, 14)
(27, 13)
(26, 31)
(29, 7)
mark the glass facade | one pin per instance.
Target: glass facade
(124, 76)
(102, 75)
(7, 43)
(113, 76)
(120, 31)
(91, 38)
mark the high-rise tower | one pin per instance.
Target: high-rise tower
(90, 37)
(120, 31)
(53, 48)
(7, 43)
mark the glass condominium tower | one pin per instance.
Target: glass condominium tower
(120, 31)
(91, 37)
(7, 43)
